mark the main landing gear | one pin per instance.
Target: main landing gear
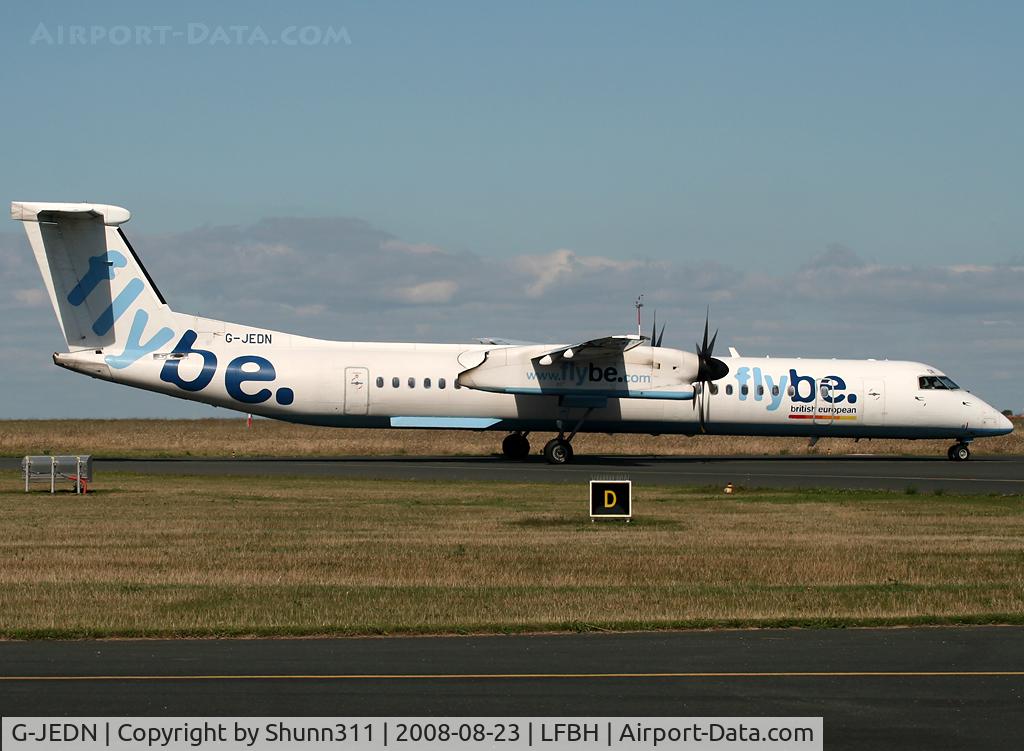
(559, 450)
(515, 446)
(958, 452)
(556, 451)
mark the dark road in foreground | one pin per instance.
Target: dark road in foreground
(1003, 474)
(911, 688)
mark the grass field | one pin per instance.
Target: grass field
(162, 438)
(225, 556)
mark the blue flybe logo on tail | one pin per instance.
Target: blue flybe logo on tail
(103, 267)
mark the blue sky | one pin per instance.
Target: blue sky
(752, 135)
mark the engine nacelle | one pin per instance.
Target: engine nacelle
(638, 373)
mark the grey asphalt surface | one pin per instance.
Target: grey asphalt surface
(926, 688)
(1003, 474)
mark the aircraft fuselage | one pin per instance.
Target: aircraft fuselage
(358, 384)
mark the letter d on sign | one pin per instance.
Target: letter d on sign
(610, 499)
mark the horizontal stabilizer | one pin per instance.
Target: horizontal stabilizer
(32, 211)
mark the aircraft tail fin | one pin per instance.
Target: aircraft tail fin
(100, 291)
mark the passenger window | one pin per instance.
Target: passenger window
(744, 389)
(714, 389)
(791, 390)
(426, 383)
(380, 382)
(775, 390)
(412, 382)
(760, 390)
(457, 384)
(728, 389)
(394, 382)
(440, 383)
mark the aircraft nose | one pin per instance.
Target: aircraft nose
(1006, 423)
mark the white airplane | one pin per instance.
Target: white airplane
(119, 328)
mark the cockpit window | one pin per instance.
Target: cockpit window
(937, 382)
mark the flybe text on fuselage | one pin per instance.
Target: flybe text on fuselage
(806, 395)
(240, 370)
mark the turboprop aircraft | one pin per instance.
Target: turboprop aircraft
(119, 328)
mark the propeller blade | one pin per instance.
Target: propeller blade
(702, 407)
(654, 329)
(661, 335)
(709, 368)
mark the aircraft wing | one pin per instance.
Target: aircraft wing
(502, 341)
(606, 346)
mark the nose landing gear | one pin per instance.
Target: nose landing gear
(958, 452)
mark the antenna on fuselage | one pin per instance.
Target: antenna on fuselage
(639, 304)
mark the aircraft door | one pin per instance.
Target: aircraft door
(357, 391)
(823, 412)
(874, 402)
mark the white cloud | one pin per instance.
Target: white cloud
(32, 296)
(549, 269)
(419, 249)
(312, 309)
(440, 291)
(266, 250)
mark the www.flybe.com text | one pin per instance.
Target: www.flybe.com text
(589, 373)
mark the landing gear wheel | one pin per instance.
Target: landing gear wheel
(960, 452)
(515, 446)
(557, 451)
